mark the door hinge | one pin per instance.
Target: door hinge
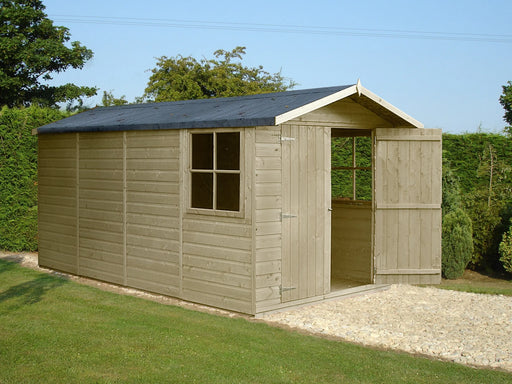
(283, 138)
(285, 289)
(287, 216)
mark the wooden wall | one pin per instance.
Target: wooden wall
(57, 204)
(345, 113)
(153, 211)
(351, 238)
(127, 222)
(408, 206)
(268, 206)
(101, 203)
(218, 249)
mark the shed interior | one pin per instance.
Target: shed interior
(351, 204)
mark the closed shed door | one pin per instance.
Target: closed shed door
(407, 243)
(305, 215)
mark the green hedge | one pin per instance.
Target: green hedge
(464, 153)
(18, 175)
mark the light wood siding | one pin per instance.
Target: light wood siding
(101, 206)
(351, 250)
(408, 206)
(306, 220)
(153, 211)
(268, 206)
(57, 202)
(218, 250)
(345, 113)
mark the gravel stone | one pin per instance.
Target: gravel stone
(466, 328)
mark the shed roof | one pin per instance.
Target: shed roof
(243, 111)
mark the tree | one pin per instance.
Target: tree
(506, 249)
(457, 233)
(32, 49)
(506, 102)
(487, 206)
(457, 243)
(109, 99)
(185, 78)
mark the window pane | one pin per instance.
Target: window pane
(202, 190)
(364, 185)
(228, 151)
(341, 150)
(202, 151)
(364, 151)
(341, 184)
(228, 192)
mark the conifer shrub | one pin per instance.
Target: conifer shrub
(505, 250)
(457, 243)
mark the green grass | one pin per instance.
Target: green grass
(476, 282)
(474, 288)
(57, 331)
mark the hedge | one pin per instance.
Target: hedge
(18, 175)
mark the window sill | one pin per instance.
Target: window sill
(216, 213)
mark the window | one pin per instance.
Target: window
(351, 168)
(215, 171)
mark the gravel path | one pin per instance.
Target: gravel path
(467, 328)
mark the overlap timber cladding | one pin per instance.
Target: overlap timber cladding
(268, 207)
(408, 206)
(153, 211)
(118, 220)
(57, 204)
(112, 209)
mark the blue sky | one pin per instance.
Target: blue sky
(448, 75)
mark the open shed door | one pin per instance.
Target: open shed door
(407, 198)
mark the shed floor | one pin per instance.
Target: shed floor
(347, 288)
(338, 284)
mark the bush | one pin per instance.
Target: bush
(506, 249)
(457, 243)
(18, 175)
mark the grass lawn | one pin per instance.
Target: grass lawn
(476, 282)
(56, 331)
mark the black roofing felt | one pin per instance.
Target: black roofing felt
(242, 111)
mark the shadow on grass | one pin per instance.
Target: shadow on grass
(28, 292)
(6, 266)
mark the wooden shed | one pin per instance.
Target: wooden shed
(249, 203)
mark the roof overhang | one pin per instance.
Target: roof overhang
(357, 93)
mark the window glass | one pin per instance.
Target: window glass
(341, 150)
(202, 151)
(202, 190)
(228, 191)
(364, 185)
(363, 151)
(341, 184)
(215, 184)
(351, 173)
(228, 151)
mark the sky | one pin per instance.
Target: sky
(443, 62)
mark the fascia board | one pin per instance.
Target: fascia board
(287, 116)
(390, 107)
